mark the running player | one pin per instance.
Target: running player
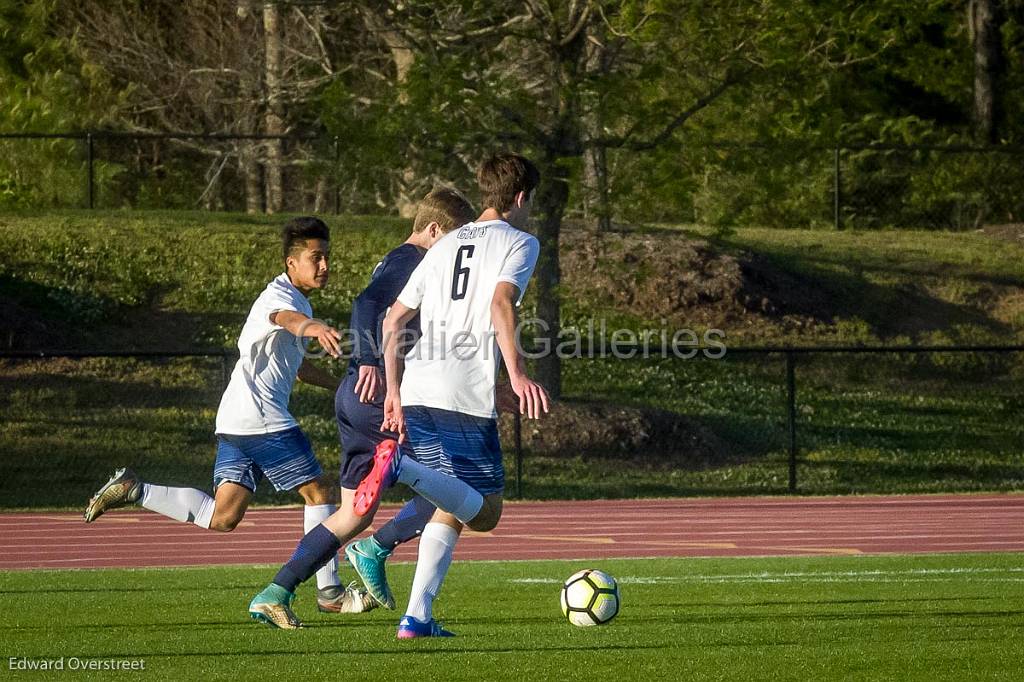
(359, 411)
(256, 434)
(441, 396)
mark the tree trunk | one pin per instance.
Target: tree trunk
(406, 200)
(596, 209)
(985, 24)
(248, 161)
(552, 198)
(320, 195)
(273, 120)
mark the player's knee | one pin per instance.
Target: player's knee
(225, 524)
(317, 493)
(487, 519)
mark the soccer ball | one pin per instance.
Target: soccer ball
(590, 597)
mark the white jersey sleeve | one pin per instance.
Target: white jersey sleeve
(520, 263)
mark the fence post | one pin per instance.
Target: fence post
(517, 430)
(791, 396)
(89, 156)
(337, 171)
(837, 195)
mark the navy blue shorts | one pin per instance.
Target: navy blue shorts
(456, 444)
(285, 458)
(359, 431)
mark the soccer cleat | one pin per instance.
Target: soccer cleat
(334, 599)
(387, 460)
(273, 607)
(367, 558)
(410, 628)
(123, 488)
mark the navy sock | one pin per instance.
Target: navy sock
(407, 524)
(315, 549)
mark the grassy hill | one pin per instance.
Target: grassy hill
(133, 280)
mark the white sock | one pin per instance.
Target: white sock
(446, 492)
(181, 504)
(437, 543)
(313, 516)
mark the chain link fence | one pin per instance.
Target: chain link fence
(776, 185)
(760, 421)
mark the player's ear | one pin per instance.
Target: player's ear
(435, 229)
(520, 199)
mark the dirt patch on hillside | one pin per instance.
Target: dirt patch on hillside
(643, 435)
(685, 281)
(1011, 232)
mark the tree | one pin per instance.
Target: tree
(550, 82)
(226, 66)
(985, 19)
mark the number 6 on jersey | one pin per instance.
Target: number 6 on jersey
(460, 281)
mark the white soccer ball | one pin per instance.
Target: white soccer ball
(590, 597)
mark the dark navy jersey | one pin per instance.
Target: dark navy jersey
(370, 307)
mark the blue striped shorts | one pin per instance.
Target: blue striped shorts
(457, 444)
(286, 458)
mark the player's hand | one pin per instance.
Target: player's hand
(533, 399)
(505, 399)
(328, 337)
(394, 418)
(370, 384)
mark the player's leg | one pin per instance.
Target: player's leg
(320, 502)
(424, 472)
(287, 459)
(360, 434)
(187, 505)
(230, 503)
(470, 450)
(315, 549)
(437, 545)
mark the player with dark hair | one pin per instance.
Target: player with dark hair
(441, 395)
(256, 434)
(359, 412)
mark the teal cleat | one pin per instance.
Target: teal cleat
(273, 607)
(368, 558)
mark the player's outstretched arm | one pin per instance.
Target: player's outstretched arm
(533, 399)
(310, 373)
(306, 327)
(394, 365)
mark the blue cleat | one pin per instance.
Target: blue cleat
(410, 628)
(387, 461)
(273, 607)
(367, 558)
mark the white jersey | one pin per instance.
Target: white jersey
(454, 364)
(256, 399)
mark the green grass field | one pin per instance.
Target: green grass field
(948, 617)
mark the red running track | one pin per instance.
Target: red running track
(554, 530)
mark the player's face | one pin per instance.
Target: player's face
(308, 269)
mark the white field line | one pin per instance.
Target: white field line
(908, 575)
